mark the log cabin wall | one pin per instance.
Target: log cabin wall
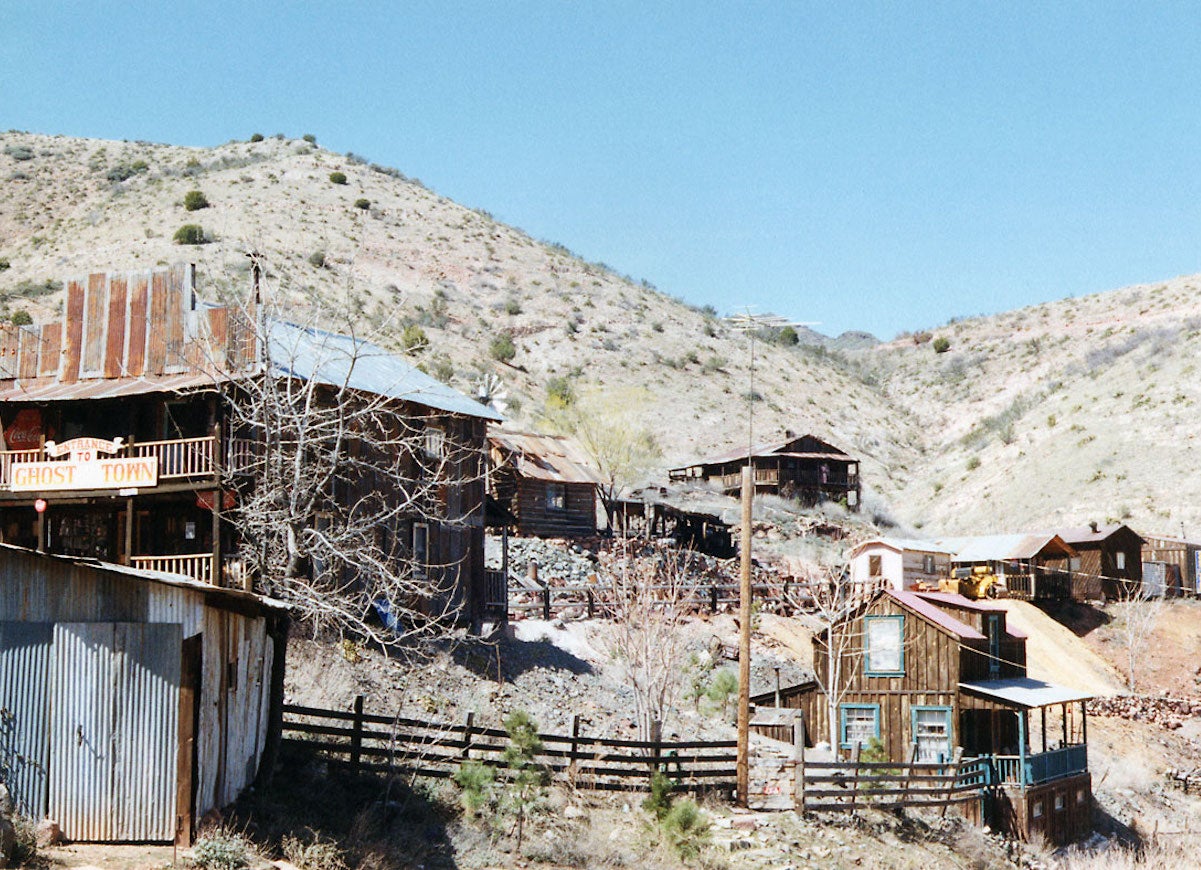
(537, 516)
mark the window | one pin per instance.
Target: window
(1059, 802)
(556, 496)
(1079, 795)
(421, 542)
(927, 564)
(883, 653)
(1037, 810)
(873, 566)
(434, 443)
(1074, 563)
(994, 646)
(860, 723)
(932, 733)
(1121, 560)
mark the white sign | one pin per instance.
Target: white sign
(92, 465)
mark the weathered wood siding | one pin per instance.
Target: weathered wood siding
(535, 517)
(1071, 820)
(1182, 554)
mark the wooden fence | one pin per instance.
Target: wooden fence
(833, 786)
(364, 742)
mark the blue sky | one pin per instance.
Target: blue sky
(867, 166)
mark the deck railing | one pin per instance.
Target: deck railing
(197, 566)
(9, 457)
(178, 458)
(1039, 767)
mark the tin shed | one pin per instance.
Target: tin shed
(132, 702)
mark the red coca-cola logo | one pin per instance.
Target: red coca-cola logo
(25, 431)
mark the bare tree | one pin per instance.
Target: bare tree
(346, 478)
(649, 591)
(1138, 613)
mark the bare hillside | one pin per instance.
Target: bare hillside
(1056, 414)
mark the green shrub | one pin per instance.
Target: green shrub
(18, 152)
(687, 829)
(190, 234)
(121, 172)
(525, 785)
(787, 336)
(21, 317)
(337, 177)
(310, 138)
(195, 200)
(723, 685)
(312, 853)
(221, 849)
(502, 348)
(414, 339)
(4, 265)
(475, 781)
(256, 137)
(317, 259)
(362, 203)
(973, 463)
(658, 802)
(559, 393)
(941, 344)
(512, 307)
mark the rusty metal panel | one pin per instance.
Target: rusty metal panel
(118, 310)
(114, 730)
(156, 331)
(173, 358)
(51, 352)
(24, 709)
(139, 289)
(74, 327)
(9, 351)
(81, 731)
(29, 340)
(95, 322)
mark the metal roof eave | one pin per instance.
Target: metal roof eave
(1025, 692)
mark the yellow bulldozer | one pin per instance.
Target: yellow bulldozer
(974, 583)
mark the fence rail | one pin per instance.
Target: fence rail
(848, 786)
(365, 742)
(198, 566)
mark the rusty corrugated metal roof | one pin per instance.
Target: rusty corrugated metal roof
(53, 390)
(544, 457)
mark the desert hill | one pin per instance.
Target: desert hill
(1056, 414)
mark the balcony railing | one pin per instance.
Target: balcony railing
(197, 566)
(181, 457)
(1039, 767)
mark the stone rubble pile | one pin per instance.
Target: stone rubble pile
(1170, 713)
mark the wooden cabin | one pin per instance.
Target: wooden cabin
(134, 701)
(1107, 562)
(122, 443)
(903, 564)
(1171, 566)
(545, 481)
(927, 673)
(803, 468)
(1027, 566)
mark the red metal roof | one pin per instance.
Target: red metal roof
(944, 620)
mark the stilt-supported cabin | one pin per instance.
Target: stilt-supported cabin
(806, 469)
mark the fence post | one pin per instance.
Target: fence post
(591, 604)
(909, 770)
(468, 721)
(656, 746)
(575, 747)
(954, 778)
(356, 737)
(546, 601)
(855, 779)
(713, 599)
(798, 753)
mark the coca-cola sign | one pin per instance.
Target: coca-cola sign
(25, 431)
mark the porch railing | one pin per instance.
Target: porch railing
(178, 458)
(197, 566)
(1039, 767)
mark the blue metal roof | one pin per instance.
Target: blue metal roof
(343, 360)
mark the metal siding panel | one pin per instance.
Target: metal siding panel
(29, 339)
(25, 656)
(51, 354)
(74, 331)
(209, 736)
(136, 357)
(156, 345)
(114, 355)
(146, 733)
(95, 309)
(9, 351)
(81, 731)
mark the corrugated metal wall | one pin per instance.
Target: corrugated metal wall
(114, 730)
(24, 708)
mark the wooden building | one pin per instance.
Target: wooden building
(121, 444)
(927, 673)
(803, 468)
(1171, 566)
(133, 701)
(545, 481)
(1027, 566)
(1107, 561)
(904, 564)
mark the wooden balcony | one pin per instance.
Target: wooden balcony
(195, 566)
(1039, 767)
(178, 459)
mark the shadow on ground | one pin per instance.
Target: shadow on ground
(504, 658)
(1078, 617)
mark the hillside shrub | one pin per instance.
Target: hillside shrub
(310, 852)
(317, 259)
(559, 393)
(414, 339)
(21, 317)
(221, 849)
(512, 307)
(18, 152)
(941, 344)
(337, 177)
(190, 234)
(922, 337)
(502, 348)
(310, 138)
(787, 336)
(362, 203)
(4, 265)
(475, 781)
(256, 137)
(195, 200)
(687, 829)
(973, 463)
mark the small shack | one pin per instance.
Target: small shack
(904, 564)
(545, 481)
(1175, 562)
(1107, 563)
(805, 468)
(133, 701)
(1029, 566)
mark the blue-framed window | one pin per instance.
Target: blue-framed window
(884, 646)
(858, 723)
(931, 730)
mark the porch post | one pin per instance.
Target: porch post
(1063, 710)
(1043, 712)
(129, 518)
(1022, 748)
